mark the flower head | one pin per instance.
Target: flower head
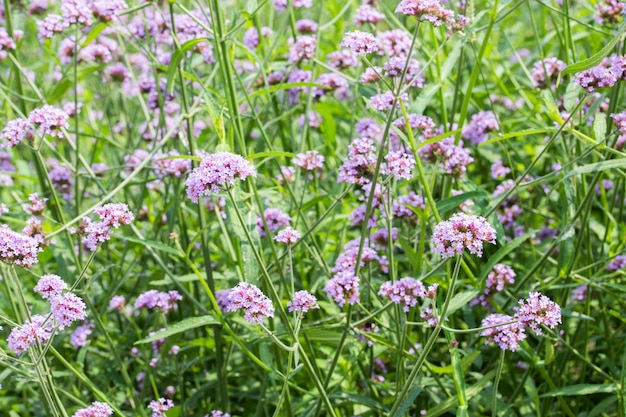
(249, 297)
(508, 332)
(462, 231)
(29, 334)
(97, 409)
(50, 286)
(360, 42)
(405, 291)
(288, 236)
(303, 301)
(344, 286)
(216, 171)
(18, 249)
(160, 406)
(68, 308)
(538, 310)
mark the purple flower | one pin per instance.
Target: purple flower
(537, 310)
(216, 171)
(49, 120)
(478, 127)
(609, 11)
(67, 308)
(96, 234)
(367, 14)
(250, 298)
(384, 101)
(17, 249)
(117, 302)
(400, 165)
(275, 219)
(62, 179)
(360, 163)
(498, 170)
(395, 68)
(97, 409)
(78, 338)
(396, 42)
(306, 26)
(303, 301)
(288, 236)
(618, 263)
(160, 406)
(37, 205)
(152, 299)
(344, 286)
(251, 37)
(362, 43)
(452, 158)
(344, 58)
(29, 334)
(596, 77)
(462, 231)
(309, 161)
(405, 291)
(218, 413)
(507, 336)
(50, 286)
(221, 296)
(335, 83)
(165, 165)
(303, 49)
(401, 207)
(579, 293)
(429, 10)
(107, 9)
(16, 131)
(546, 72)
(500, 276)
(115, 214)
(76, 11)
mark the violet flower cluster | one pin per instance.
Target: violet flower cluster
(302, 302)
(248, 297)
(96, 409)
(500, 276)
(153, 299)
(535, 311)
(406, 292)
(462, 231)
(216, 172)
(18, 249)
(113, 215)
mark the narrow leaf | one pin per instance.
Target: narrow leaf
(181, 326)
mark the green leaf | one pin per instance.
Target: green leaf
(515, 135)
(455, 201)
(596, 58)
(273, 153)
(471, 392)
(459, 300)
(177, 57)
(582, 389)
(570, 99)
(95, 31)
(602, 406)
(181, 326)
(595, 167)
(217, 120)
(154, 244)
(59, 90)
(599, 126)
(553, 109)
(408, 401)
(352, 398)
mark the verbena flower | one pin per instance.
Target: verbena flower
(499, 170)
(609, 12)
(67, 308)
(344, 58)
(500, 276)
(367, 14)
(362, 43)
(79, 337)
(249, 297)
(429, 10)
(619, 262)
(400, 164)
(115, 214)
(538, 310)
(343, 287)
(303, 301)
(479, 126)
(153, 299)
(97, 409)
(359, 166)
(215, 172)
(160, 406)
(405, 291)
(546, 72)
(76, 11)
(17, 249)
(275, 219)
(507, 335)
(49, 120)
(309, 161)
(217, 413)
(16, 131)
(288, 236)
(462, 231)
(50, 286)
(302, 50)
(29, 334)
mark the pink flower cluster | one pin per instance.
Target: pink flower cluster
(97, 409)
(406, 291)
(362, 43)
(113, 215)
(302, 302)
(164, 301)
(537, 310)
(462, 231)
(343, 287)
(609, 12)
(215, 172)
(160, 406)
(430, 10)
(275, 219)
(479, 126)
(619, 262)
(611, 70)
(288, 236)
(18, 249)
(500, 276)
(309, 161)
(29, 334)
(249, 297)
(359, 166)
(620, 121)
(546, 72)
